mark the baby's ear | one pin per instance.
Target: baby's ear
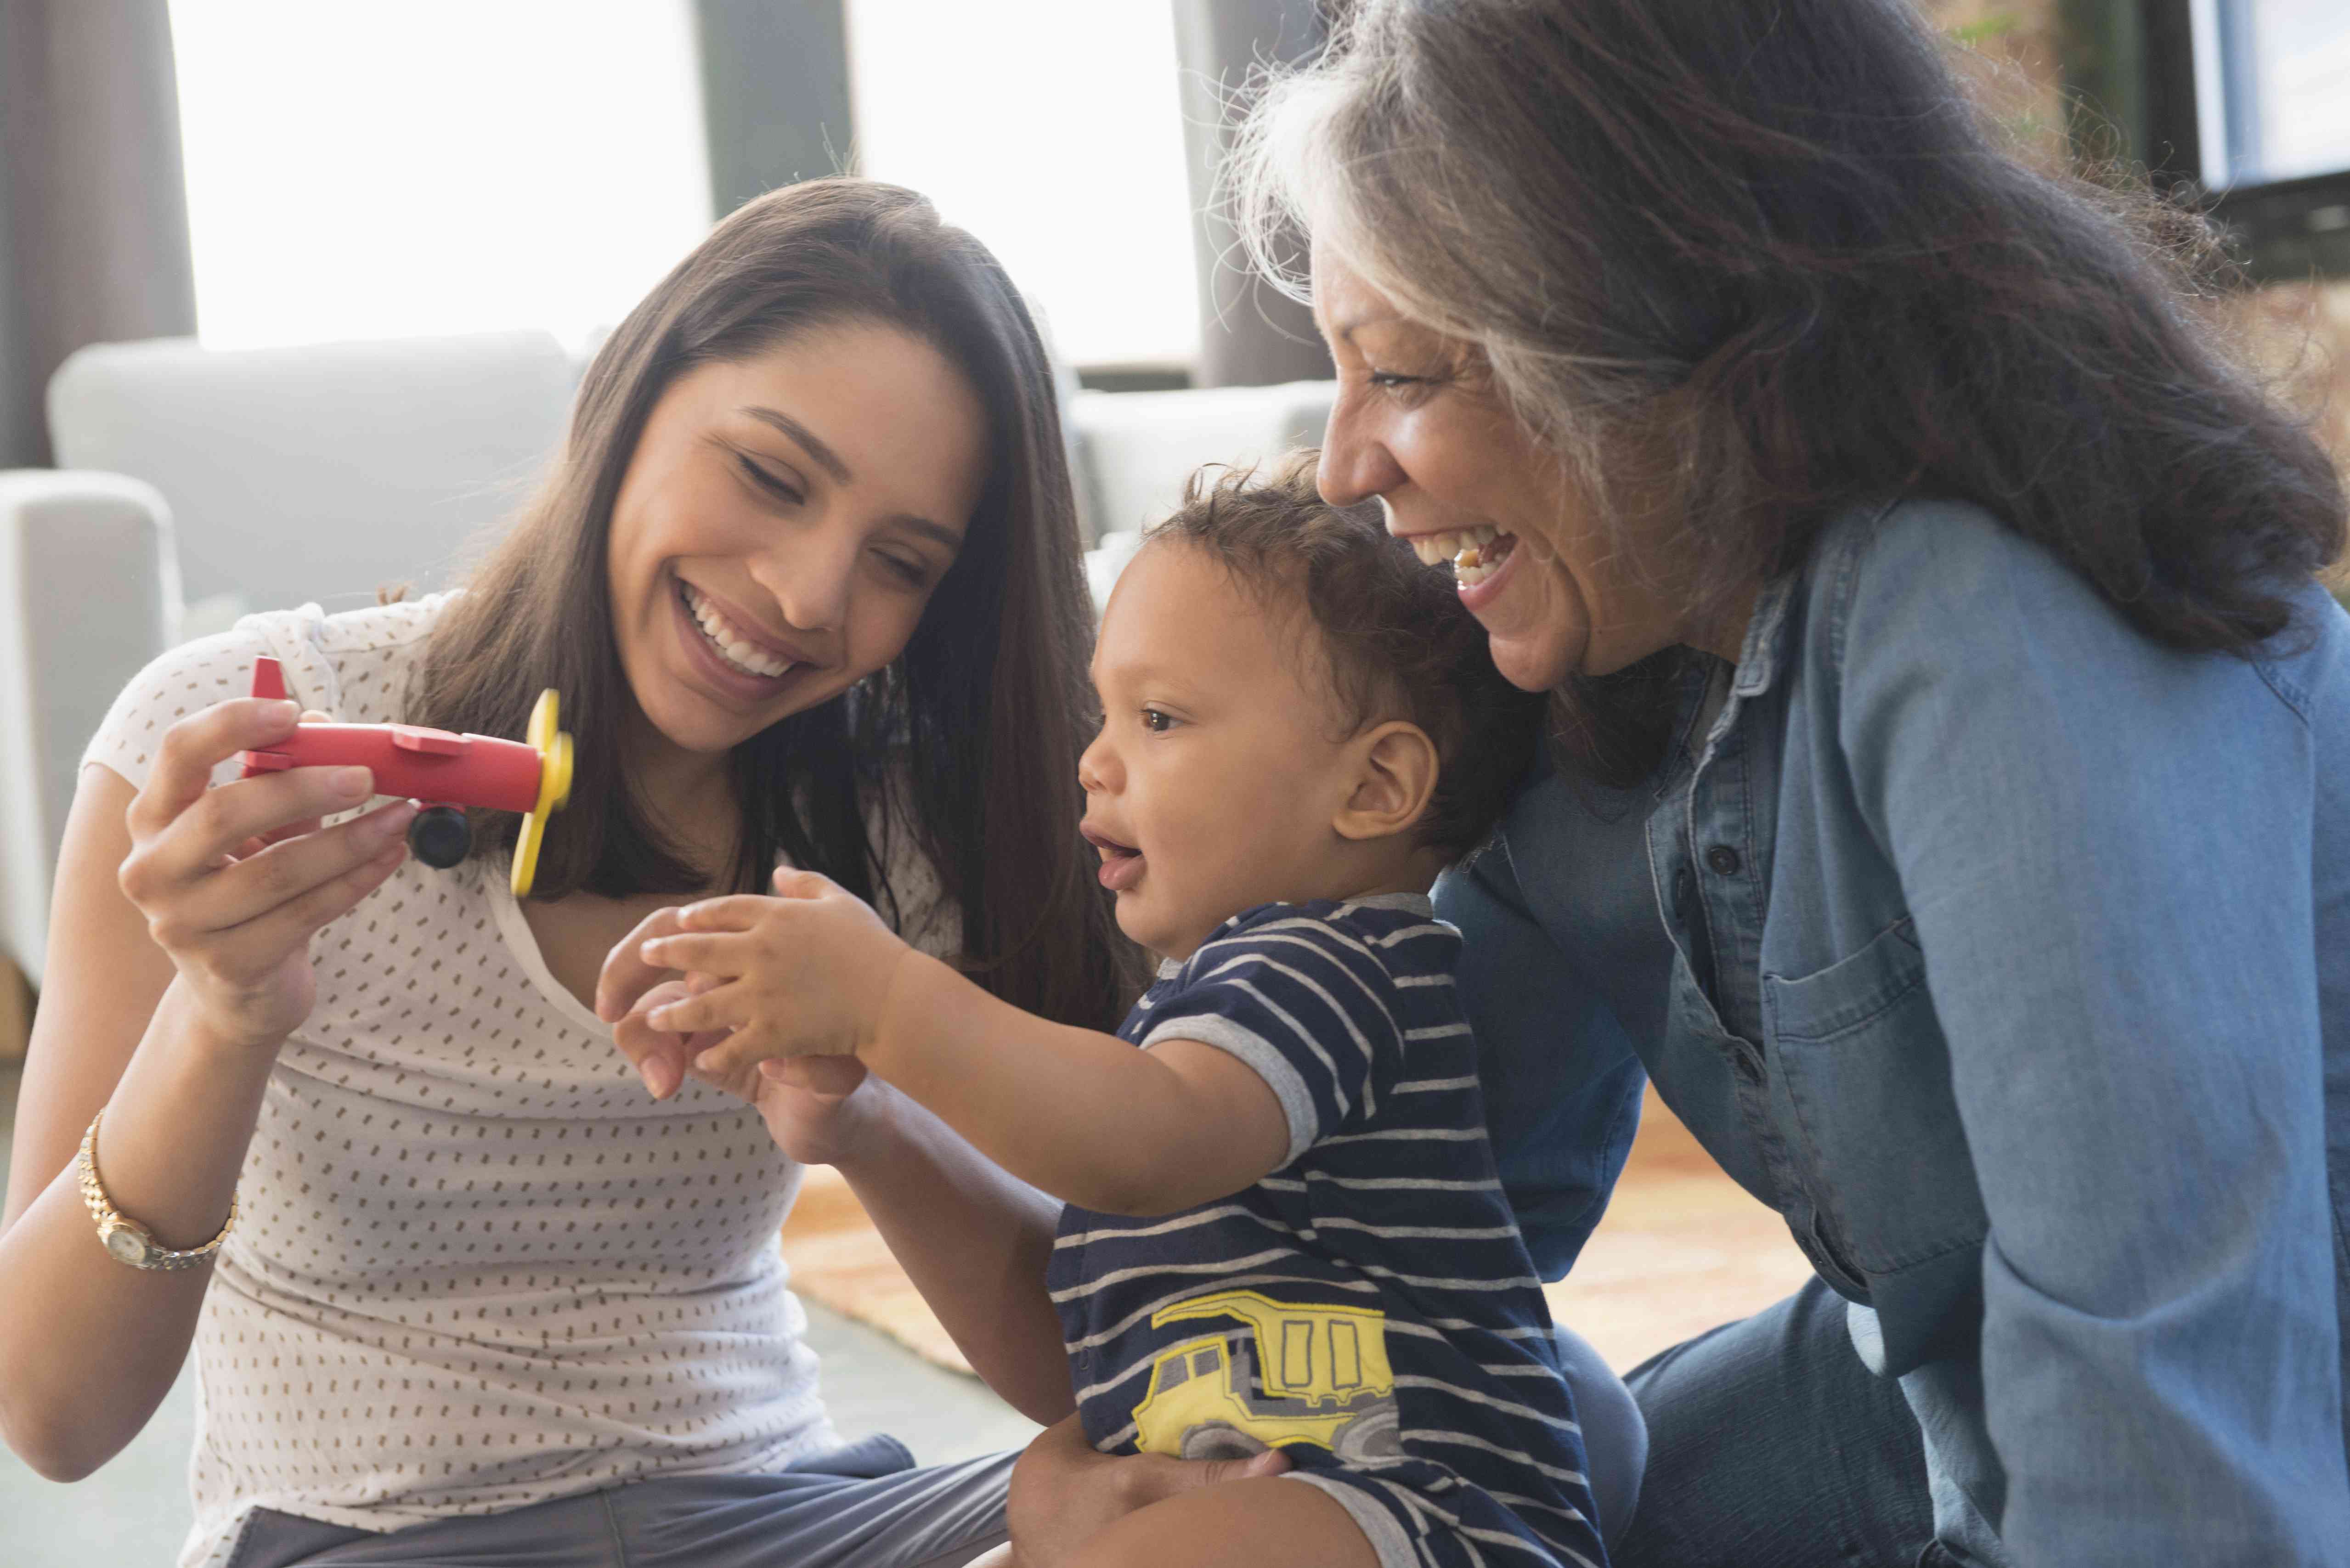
(1394, 767)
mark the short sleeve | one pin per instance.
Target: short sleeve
(185, 679)
(1303, 1002)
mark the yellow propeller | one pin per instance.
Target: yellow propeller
(553, 748)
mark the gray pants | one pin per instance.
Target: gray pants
(858, 1508)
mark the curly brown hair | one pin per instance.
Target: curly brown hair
(1388, 632)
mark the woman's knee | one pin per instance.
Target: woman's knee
(1614, 1433)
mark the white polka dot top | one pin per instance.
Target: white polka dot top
(477, 1266)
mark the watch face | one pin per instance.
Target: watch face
(127, 1244)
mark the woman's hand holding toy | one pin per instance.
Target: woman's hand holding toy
(234, 882)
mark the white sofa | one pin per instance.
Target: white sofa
(196, 484)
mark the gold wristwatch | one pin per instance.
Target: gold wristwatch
(124, 1239)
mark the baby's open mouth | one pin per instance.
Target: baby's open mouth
(1475, 552)
(1121, 863)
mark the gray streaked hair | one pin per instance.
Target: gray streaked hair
(1744, 265)
(1411, 164)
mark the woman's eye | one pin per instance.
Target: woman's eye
(1156, 721)
(1391, 379)
(913, 574)
(774, 484)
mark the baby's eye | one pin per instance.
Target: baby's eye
(1156, 721)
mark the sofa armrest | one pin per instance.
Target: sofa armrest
(87, 596)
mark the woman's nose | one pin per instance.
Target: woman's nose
(809, 576)
(1356, 463)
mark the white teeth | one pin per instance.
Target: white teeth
(728, 642)
(1480, 558)
(1435, 549)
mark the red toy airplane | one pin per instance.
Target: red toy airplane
(444, 773)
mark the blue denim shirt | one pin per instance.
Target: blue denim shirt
(2006, 954)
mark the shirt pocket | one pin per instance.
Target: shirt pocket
(1867, 1075)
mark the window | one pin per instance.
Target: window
(2246, 102)
(2274, 89)
(436, 166)
(1053, 130)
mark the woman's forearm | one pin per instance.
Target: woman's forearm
(89, 1346)
(975, 1241)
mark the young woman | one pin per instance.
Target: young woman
(808, 580)
(1952, 806)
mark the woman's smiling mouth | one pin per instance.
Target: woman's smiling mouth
(742, 652)
(1476, 553)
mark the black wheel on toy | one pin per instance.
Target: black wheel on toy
(440, 837)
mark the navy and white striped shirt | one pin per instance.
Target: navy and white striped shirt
(1369, 1307)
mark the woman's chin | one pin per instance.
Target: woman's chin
(694, 722)
(1538, 660)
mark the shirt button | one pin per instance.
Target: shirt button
(1723, 859)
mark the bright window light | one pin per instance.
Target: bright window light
(435, 166)
(1052, 130)
(2301, 64)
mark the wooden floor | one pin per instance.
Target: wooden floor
(1682, 1250)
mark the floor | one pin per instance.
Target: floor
(1682, 1248)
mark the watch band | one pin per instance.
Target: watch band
(125, 1239)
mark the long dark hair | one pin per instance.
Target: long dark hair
(1744, 264)
(975, 727)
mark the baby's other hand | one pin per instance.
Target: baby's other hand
(803, 974)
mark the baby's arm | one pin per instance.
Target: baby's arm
(1077, 1113)
(1080, 1114)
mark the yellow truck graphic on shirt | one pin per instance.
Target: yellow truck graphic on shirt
(1295, 1374)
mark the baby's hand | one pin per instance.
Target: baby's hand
(804, 974)
(807, 1102)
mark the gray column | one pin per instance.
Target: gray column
(93, 201)
(1250, 335)
(774, 94)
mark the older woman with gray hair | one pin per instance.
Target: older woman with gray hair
(1950, 803)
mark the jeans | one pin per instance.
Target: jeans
(1771, 1445)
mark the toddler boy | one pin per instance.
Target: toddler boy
(1284, 1227)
